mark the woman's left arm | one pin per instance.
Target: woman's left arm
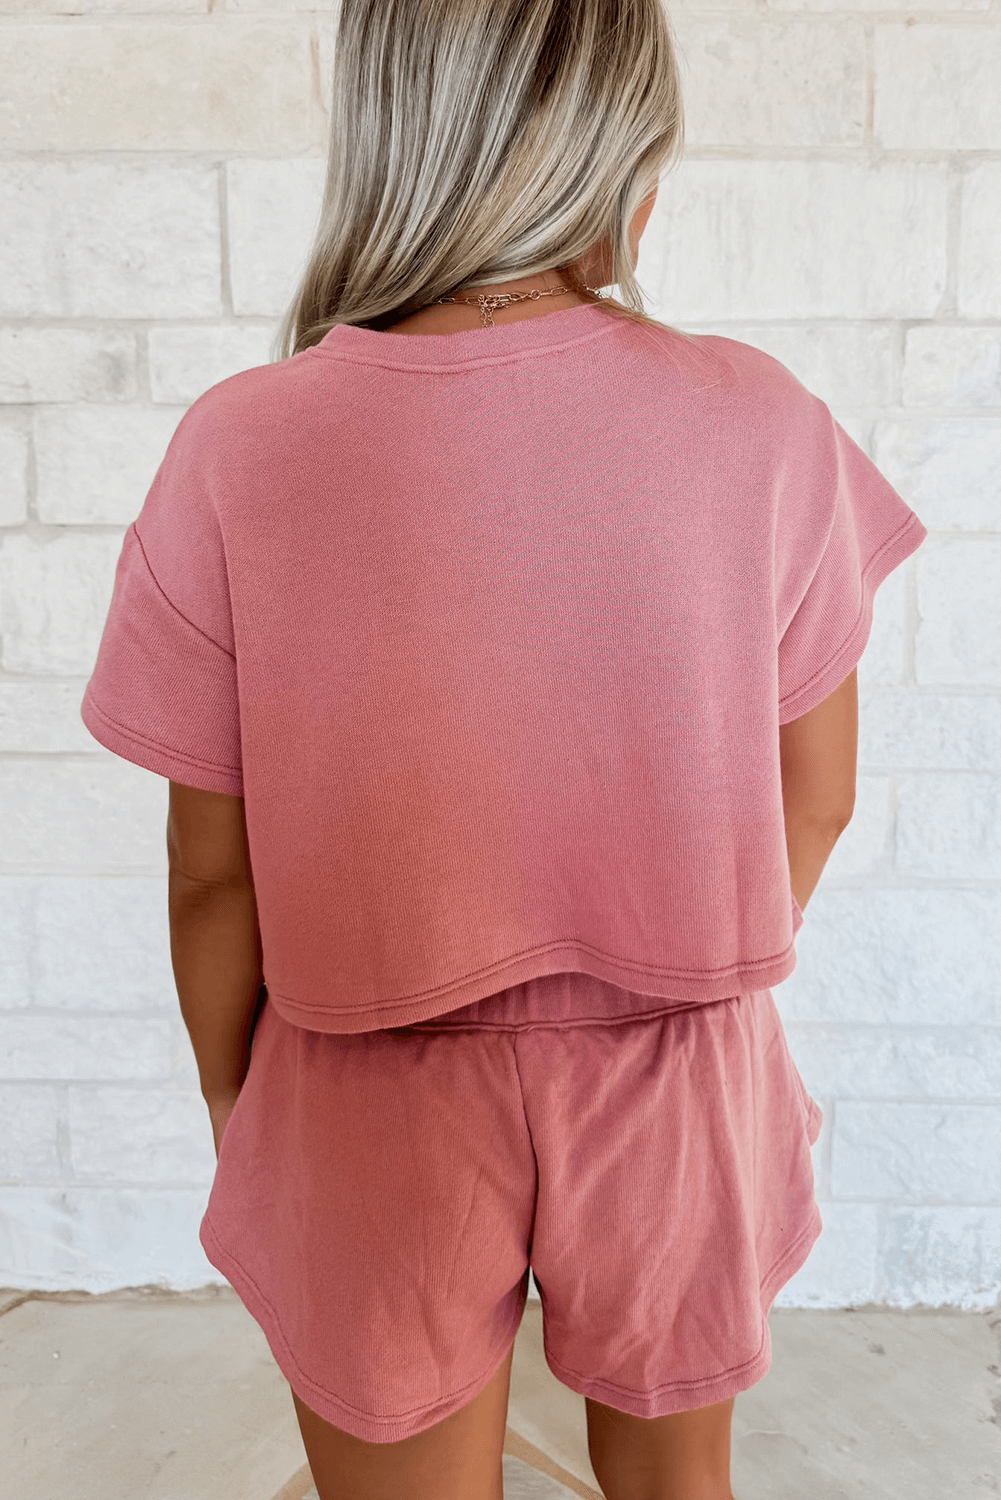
(215, 937)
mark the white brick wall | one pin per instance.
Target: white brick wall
(840, 207)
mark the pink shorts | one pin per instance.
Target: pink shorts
(380, 1196)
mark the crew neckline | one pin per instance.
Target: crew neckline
(468, 346)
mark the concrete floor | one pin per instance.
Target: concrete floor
(175, 1396)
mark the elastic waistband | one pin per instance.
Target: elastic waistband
(562, 1000)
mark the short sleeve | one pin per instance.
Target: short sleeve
(840, 530)
(163, 692)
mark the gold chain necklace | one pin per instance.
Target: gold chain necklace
(487, 303)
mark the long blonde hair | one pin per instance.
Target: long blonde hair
(475, 141)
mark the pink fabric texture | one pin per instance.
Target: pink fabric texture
(379, 1198)
(494, 631)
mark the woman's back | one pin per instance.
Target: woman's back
(538, 600)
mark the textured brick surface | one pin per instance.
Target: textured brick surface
(187, 360)
(902, 954)
(39, 1045)
(978, 284)
(865, 1060)
(32, 1126)
(810, 82)
(67, 364)
(789, 238)
(839, 206)
(92, 461)
(842, 1266)
(97, 1239)
(14, 452)
(136, 239)
(951, 366)
(945, 1153)
(273, 210)
(99, 815)
(941, 1255)
(947, 467)
(918, 103)
(246, 85)
(54, 594)
(140, 1136)
(958, 640)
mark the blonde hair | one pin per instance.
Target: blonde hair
(475, 141)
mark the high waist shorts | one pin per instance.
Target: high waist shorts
(380, 1196)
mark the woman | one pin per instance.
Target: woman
(499, 644)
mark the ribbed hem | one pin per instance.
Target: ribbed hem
(722, 984)
(329, 1406)
(131, 745)
(686, 1395)
(680, 1395)
(893, 552)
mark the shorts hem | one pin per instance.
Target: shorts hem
(792, 1260)
(688, 1395)
(325, 1403)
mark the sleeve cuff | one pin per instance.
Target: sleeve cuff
(893, 552)
(152, 756)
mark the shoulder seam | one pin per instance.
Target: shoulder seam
(204, 633)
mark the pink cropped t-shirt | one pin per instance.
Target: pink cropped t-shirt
(493, 632)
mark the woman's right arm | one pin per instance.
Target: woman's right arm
(819, 755)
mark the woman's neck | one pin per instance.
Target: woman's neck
(456, 317)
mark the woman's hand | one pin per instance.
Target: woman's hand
(220, 1110)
